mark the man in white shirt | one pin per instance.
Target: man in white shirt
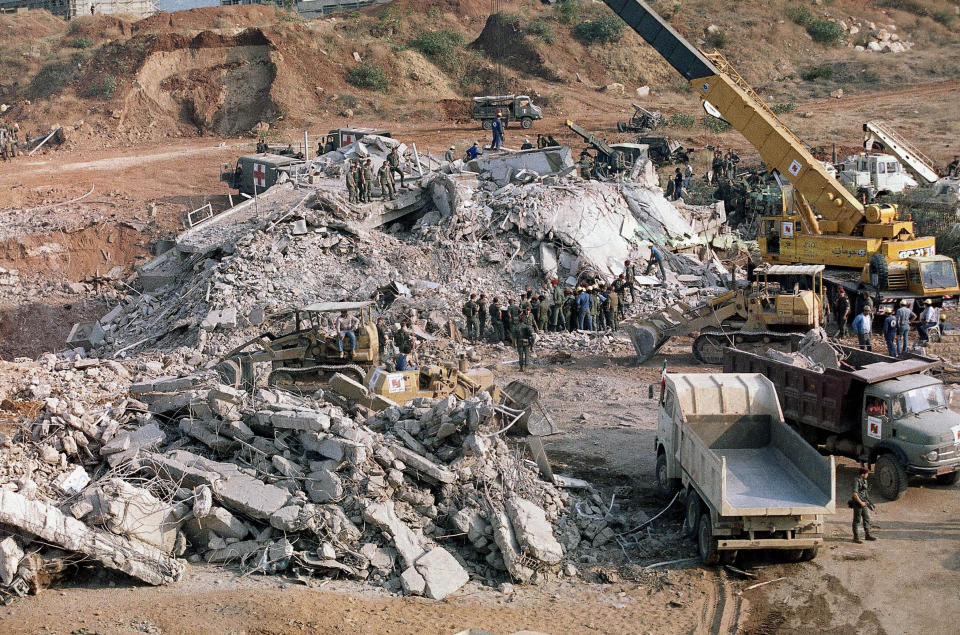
(929, 318)
(346, 328)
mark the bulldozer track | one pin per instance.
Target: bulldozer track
(357, 371)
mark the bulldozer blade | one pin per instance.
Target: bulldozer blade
(646, 341)
(535, 421)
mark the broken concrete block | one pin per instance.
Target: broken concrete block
(331, 449)
(303, 420)
(221, 522)
(417, 465)
(533, 531)
(200, 431)
(506, 541)
(287, 518)
(379, 558)
(250, 496)
(10, 556)
(441, 572)
(323, 486)
(224, 318)
(117, 552)
(286, 467)
(73, 481)
(232, 552)
(87, 335)
(409, 544)
(412, 582)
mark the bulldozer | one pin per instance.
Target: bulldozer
(785, 299)
(308, 354)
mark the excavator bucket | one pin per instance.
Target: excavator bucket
(522, 402)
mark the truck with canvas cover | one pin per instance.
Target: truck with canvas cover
(750, 481)
(506, 107)
(341, 137)
(870, 407)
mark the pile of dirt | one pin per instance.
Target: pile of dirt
(231, 17)
(457, 110)
(504, 40)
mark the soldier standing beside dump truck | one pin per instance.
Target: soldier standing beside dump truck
(860, 502)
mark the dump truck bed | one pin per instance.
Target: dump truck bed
(740, 454)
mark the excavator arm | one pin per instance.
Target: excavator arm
(728, 95)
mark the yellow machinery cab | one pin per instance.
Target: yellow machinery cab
(787, 295)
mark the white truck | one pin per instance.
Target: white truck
(871, 175)
(750, 481)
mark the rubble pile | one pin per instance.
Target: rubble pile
(418, 498)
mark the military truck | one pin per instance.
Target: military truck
(870, 407)
(750, 481)
(642, 120)
(254, 173)
(341, 137)
(506, 107)
(664, 150)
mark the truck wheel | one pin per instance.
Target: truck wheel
(690, 521)
(809, 554)
(879, 276)
(526, 123)
(947, 479)
(706, 545)
(891, 477)
(488, 124)
(668, 486)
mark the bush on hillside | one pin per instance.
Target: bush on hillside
(543, 30)
(104, 89)
(51, 79)
(438, 44)
(82, 43)
(820, 71)
(822, 31)
(604, 30)
(568, 12)
(714, 124)
(369, 77)
(682, 120)
(717, 39)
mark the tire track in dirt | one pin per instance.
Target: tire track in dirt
(853, 101)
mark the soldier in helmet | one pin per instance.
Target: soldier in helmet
(353, 191)
(385, 178)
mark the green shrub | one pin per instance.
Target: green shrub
(82, 43)
(826, 32)
(104, 89)
(348, 100)
(439, 44)
(713, 124)
(568, 12)
(820, 71)
(543, 30)
(944, 17)
(369, 77)
(779, 109)
(717, 39)
(800, 15)
(604, 30)
(682, 120)
(51, 79)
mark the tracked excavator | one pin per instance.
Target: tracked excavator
(821, 221)
(763, 314)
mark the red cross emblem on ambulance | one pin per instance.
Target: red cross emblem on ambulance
(260, 175)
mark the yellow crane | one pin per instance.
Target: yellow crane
(821, 221)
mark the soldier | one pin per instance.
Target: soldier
(717, 166)
(402, 337)
(551, 142)
(543, 316)
(586, 166)
(496, 320)
(385, 178)
(556, 305)
(361, 186)
(482, 315)
(368, 180)
(860, 502)
(569, 310)
(261, 146)
(595, 312)
(393, 160)
(352, 189)
(526, 144)
(469, 311)
(513, 315)
(620, 286)
(631, 274)
(677, 184)
(613, 308)
(841, 310)
(382, 338)
(524, 340)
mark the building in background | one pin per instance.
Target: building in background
(316, 8)
(73, 8)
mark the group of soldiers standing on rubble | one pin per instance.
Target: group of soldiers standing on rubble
(593, 305)
(360, 178)
(9, 141)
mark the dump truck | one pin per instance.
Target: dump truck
(749, 481)
(506, 107)
(877, 409)
(253, 173)
(782, 301)
(821, 222)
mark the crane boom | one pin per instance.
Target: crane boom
(721, 86)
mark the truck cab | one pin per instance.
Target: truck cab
(871, 175)
(908, 429)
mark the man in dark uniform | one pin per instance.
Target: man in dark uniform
(482, 315)
(842, 312)
(470, 317)
(496, 320)
(524, 338)
(860, 501)
(393, 160)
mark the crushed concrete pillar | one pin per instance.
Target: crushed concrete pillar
(117, 552)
